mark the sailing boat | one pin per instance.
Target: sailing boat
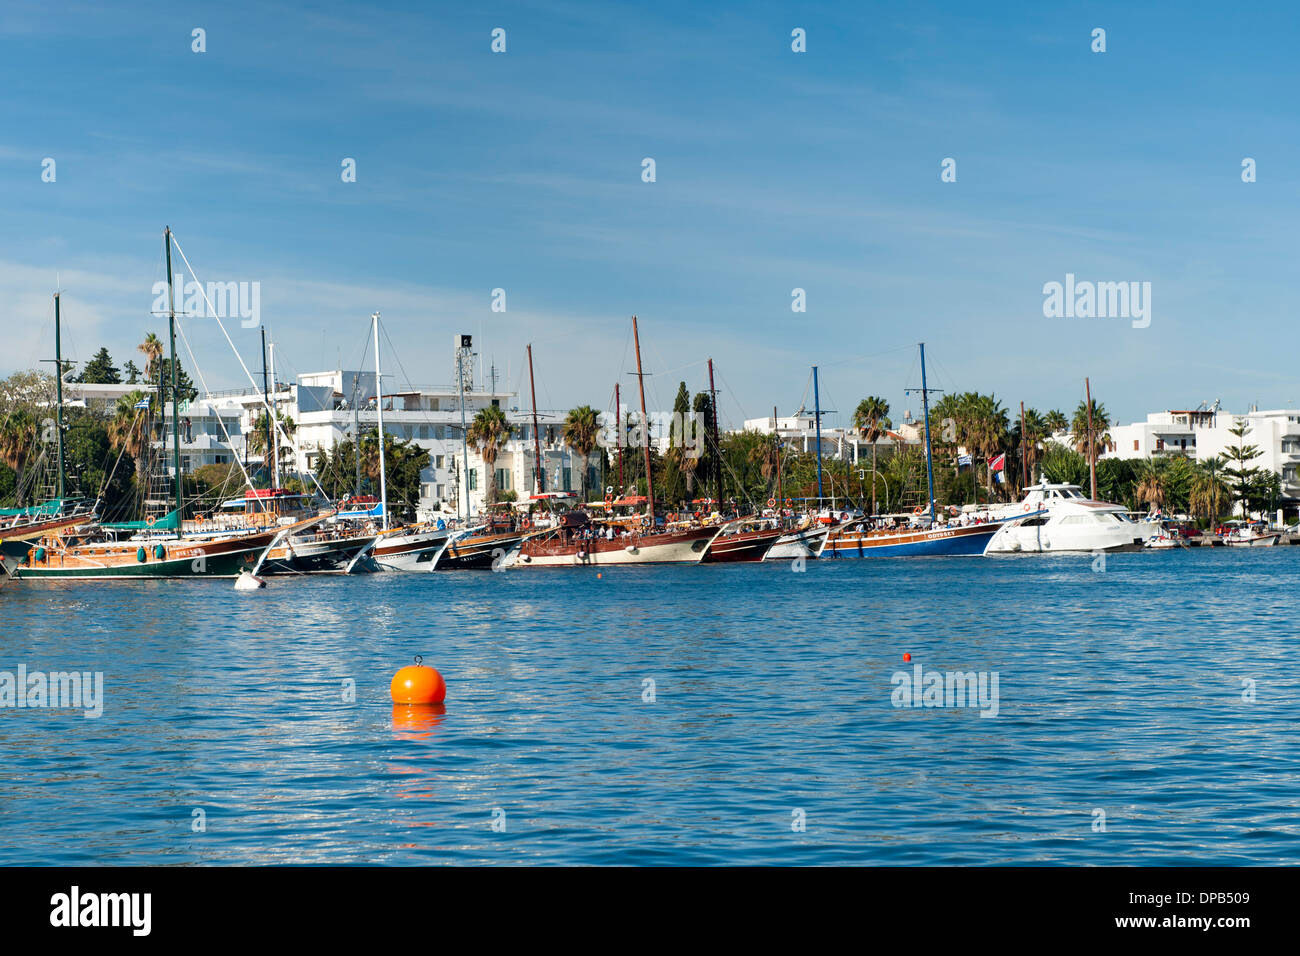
(156, 549)
(580, 541)
(21, 528)
(406, 547)
(929, 538)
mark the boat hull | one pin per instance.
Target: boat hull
(743, 546)
(222, 558)
(797, 544)
(937, 542)
(1262, 541)
(315, 555)
(410, 551)
(679, 547)
(477, 551)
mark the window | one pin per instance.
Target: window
(503, 479)
(424, 432)
(438, 460)
(1135, 444)
(441, 491)
(473, 479)
(567, 480)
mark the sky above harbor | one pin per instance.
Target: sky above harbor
(774, 171)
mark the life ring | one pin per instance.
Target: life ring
(645, 521)
(526, 523)
(151, 521)
(771, 502)
(917, 510)
(1025, 506)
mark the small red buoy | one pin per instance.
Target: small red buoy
(417, 684)
(598, 574)
(907, 657)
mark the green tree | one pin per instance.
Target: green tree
(1237, 458)
(871, 419)
(100, 370)
(581, 429)
(488, 434)
(132, 371)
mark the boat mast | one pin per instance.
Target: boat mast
(776, 437)
(929, 457)
(1092, 449)
(275, 432)
(379, 407)
(356, 428)
(618, 439)
(817, 422)
(649, 476)
(537, 438)
(176, 424)
(1024, 461)
(58, 385)
(464, 429)
(266, 397)
(713, 427)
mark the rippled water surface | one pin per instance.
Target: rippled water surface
(1119, 692)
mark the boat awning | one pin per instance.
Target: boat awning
(168, 522)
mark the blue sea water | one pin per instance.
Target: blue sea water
(1119, 691)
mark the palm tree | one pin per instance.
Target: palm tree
(1090, 443)
(127, 433)
(871, 420)
(1208, 492)
(152, 350)
(1055, 422)
(257, 443)
(581, 429)
(488, 433)
(1151, 486)
(17, 442)
(1032, 434)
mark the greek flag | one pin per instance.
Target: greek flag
(963, 461)
(143, 403)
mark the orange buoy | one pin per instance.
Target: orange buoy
(907, 657)
(417, 684)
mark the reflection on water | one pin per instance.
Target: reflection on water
(269, 711)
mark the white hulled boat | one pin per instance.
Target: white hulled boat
(1060, 517)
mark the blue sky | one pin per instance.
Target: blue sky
(775, 170)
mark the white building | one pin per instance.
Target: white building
(1202, 434)
(799, 432)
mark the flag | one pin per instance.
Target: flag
(998, 463)
(143, 403)
(963, 461)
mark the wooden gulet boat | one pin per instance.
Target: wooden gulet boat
(931, 540)
(735, 542)
(154, 552)
(578, 542)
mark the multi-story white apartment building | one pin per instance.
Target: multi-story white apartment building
(1202, 434)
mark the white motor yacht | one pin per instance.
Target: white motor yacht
(1060, 517)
